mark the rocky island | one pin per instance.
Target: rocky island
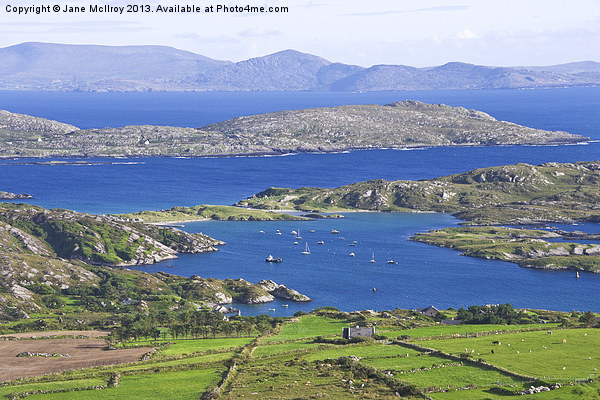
(14, 196)
(405, 124)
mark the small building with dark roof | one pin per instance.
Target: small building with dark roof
(430, 311)
(357, 331)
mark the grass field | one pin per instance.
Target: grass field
(456, 377)
(446, 330)
(180, 385)
(375, 350)
(7, 391)
(196, 345)
(278, 348)
(535, 353)
(310, 326)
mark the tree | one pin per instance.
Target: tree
(588, 318)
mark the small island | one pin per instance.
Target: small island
(14, 196)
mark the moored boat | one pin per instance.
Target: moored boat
(306, 250)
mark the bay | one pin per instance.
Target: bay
(424, 274)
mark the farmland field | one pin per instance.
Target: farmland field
(306, 358)
(82, 353)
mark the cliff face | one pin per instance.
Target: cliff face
(397, 125)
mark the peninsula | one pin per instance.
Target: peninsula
(519, 194)
(207, 212)
(44, 251)
(404, 124)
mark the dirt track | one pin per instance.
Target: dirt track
(84, 353)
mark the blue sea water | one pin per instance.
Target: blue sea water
(424, 274)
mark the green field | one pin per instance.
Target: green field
(180, 385)
(362, 350)
(7, 391)
(536, 353)
(197, 345)
(291, 364)
(278, 348)
(462, 330)
(310, 326)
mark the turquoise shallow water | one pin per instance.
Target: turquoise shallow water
(424, 274)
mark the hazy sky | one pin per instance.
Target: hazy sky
(410, 32)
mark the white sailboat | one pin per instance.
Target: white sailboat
(307, 250)
(373, 257)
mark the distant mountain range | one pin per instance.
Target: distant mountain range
(47, 66)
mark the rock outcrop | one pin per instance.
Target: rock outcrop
(14, 196)
(282, 291)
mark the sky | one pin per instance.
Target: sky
(410, 32)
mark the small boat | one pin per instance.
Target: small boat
(284, 305)
(391, 262)
(320, 242)
(298, 235)
(352, 244)
(261, 231)
(294, 232)
(272, 259)
(271, 309)
(373, 257)
(278, 232)
(577, 274)
(307, 250)
(295, 243)
(312, 231)
(352, 254)
(335, 231)
(374, 290)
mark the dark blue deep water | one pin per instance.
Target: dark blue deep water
(424, 274)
